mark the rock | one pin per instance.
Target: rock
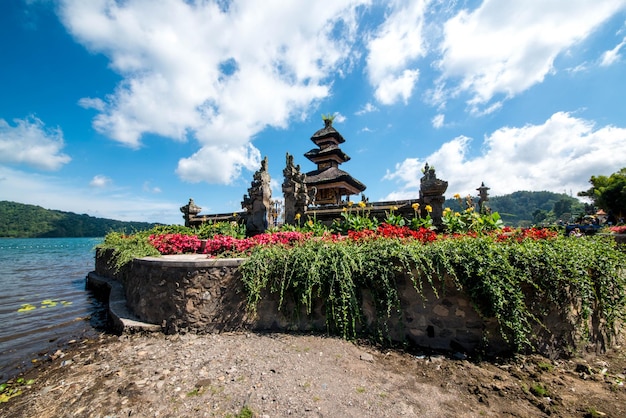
(366, 357)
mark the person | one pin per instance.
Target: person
(576, 233)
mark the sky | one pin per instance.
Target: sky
(127, 109)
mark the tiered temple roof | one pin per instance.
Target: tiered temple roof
(330, 182)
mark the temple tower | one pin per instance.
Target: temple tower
(331, 183)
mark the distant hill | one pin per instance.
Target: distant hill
(526, 208)
(18, 220)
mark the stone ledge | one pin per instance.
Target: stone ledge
(189, 260)
(122, 320)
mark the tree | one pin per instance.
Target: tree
(608, 193)
(561, 207)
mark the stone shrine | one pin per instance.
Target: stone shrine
(331, 183)
(257, 202)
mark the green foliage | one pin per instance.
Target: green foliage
(29, 221)
(128, 247)
(13, 388)
(468, 220)
(493, 274)
(211, 229)
(393, 219)
(355, 220)
(539, 390)
(520, 208)
(329, 117)
(316, 227)
(608, 193)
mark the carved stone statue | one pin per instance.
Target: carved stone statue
(431, 193)
(295, 193)
(189, 211)
(258, 201)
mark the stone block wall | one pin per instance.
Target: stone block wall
(191, 293)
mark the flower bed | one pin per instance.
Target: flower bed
(519, 277)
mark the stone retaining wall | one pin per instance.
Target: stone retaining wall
(190, 293)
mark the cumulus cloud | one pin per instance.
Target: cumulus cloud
(559, 155)
(217, 74)
(503, 48)
(30, 143)
(396, 45)
(100, 181)
(216, 164)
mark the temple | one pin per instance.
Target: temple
(331, 183)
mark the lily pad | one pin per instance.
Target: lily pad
(27, 307)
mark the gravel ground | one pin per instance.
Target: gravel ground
(281, 375)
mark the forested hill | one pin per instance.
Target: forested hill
(526, 208)
(18, 220)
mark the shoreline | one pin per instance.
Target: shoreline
(277, 375)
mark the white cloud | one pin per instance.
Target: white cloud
(216, 164)
(218, 75)
(30, 143)
(438, 120)
(368, 108)
(611, 56)
(393, 88)
(100, 181)
(92, 103)
(147, 187)
(503, 48)
(559, 155)
(395, 46)
(339, 118)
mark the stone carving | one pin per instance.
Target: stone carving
(295, 193)
(483, 197)
(431, 192)
(189, 211)
(258, 201)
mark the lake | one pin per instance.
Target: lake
(43, 300)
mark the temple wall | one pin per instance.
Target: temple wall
(190, 293)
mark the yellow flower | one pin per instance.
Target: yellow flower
(361, 204)
(468, 210)
(457, 214)
(446, 211)
(234, 214)
(428, 208)
(344, 210)
(415, 206)
(350, 203)
(394, 208)
(298, 216)
(310, 223)
(457, 196)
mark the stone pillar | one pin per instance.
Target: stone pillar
(257, 202)
(190, 210)
(431, 193)
(483, 197)
(294, 192)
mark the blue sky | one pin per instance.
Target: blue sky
(126, 109)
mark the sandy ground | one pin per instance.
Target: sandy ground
(281, 375)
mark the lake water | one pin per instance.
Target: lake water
(43, 300)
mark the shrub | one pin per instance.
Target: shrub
(491, 270)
